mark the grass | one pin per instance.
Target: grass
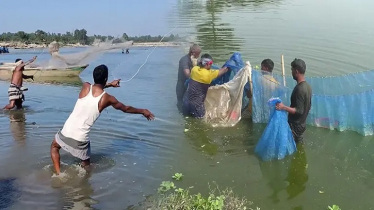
(170, 197)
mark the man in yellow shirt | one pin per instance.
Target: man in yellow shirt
(201, 78)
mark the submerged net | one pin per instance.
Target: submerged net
(338, 102)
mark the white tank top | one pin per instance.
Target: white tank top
(84, 115)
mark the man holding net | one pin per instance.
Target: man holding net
(92, 100)
(15, 91)
(301, 101)
(268, 81)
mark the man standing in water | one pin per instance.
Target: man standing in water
(92, 100)
(15, 91)
(184, 71)
(301, 101)
(269, 82)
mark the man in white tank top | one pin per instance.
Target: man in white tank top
(92, 100)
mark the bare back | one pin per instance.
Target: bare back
(17, 77)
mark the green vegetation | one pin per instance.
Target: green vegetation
(78, 36)
(170, 197)
(177, 176)
(334, 207)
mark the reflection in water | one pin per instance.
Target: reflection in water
(9, 192)
(288, 174)
(215, 37)
(297, 176)
(275, 172)
(17, 125)
(198, 132)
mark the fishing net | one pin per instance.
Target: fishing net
(276, 141)
(338, 102)
(223, 103)
(81, 58)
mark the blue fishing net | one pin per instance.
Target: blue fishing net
(276, 141)
(338, 102)
(234, 64)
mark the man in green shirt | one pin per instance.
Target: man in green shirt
(301, 101)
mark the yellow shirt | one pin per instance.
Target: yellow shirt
(203, 75)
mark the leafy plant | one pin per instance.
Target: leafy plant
(166, 186)
(334, 207)
(177, 176)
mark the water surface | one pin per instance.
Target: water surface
(131, 156)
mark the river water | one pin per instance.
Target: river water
(132, 156)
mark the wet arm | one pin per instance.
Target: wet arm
(26, 76)
(19, 67)
(299, 108)
(127, 109)
(183, 64)
(108, 85)
(290, 110)
(187, 73)
(222, 71)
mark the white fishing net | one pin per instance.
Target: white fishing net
(223, 103)
(81, 58)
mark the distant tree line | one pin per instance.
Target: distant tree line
(78, 36)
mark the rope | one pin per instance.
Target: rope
(38, 56)
(146, 60)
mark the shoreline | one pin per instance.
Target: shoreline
(20, 45)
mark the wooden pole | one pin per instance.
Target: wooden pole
(283, 72)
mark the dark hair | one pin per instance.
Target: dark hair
(18, 59)
(206, 55)
(100, 74)
(268, 63)
(299, 65)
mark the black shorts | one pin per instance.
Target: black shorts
(297, 131)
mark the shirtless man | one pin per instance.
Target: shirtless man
(15, 90)
(92, 100)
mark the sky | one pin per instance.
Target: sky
(105, 17)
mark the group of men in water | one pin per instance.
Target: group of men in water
(198, 75)
(195, 71)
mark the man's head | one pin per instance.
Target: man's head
(195, 50)
(18, 62)
(267, 65)
(100, 74)
(298, 68)
(206, 61)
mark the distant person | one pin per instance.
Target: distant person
(301, 101)
(15, 91)
(123, 51)
(127, 51)
(92, 100)
(201, 78)
(184, 70)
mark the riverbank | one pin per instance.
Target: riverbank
(21, 45)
